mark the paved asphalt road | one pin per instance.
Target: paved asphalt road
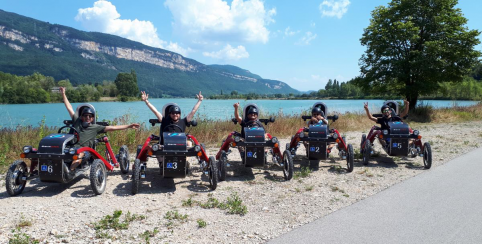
(441, 205)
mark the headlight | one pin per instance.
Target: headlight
(302, 134)
(416, 132)
(72, 151)
(385, 132)
(335, 135)
(27, 149)
(274, 140)
(197, 148)
(237, 139)
(155, 147)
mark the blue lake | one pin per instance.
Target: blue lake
(32, 114)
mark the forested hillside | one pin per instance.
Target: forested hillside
(28, 46)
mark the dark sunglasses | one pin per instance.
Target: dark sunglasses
(386, 110)
(88, 116)
(175, 113)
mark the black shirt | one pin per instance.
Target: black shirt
(383, 121)
(166, 121)
(250, 123)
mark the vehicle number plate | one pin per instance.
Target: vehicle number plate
(172, 165)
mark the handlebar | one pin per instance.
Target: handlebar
(156, 121)
(334, 117)
(264, 121)
(70, 122)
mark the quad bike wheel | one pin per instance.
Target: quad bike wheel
(136, 176)
(366, 152)
(427, 155)
(98, 176)
(363, 139)
(124, 159)
(287, 165)
(349, 158)
(14, 182)
(222, 166)
(213, 173)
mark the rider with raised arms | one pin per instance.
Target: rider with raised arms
(387, 115)
(174, 114)
(86, 128)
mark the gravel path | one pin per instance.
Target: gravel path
(66, 213)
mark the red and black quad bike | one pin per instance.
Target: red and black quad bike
(51, 161)
(253, 146)
(398, 140)
(171, 150)
(318, 137)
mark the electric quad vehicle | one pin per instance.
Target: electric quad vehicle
(51, 161)
(251, 144)
(317, 139)
(397, 140)
(171, 149)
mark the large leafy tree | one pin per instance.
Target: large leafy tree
(126, 83)
(414, 45)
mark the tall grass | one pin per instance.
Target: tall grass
(213, 132)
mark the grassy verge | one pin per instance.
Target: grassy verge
(213, 132)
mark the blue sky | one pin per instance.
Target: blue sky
(303, 43)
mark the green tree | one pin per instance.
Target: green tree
(126, 84)
(412, 45)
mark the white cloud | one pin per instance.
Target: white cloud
(229, 53)
(289, 32)
(306, 39)
(103, 17)
(332, 8)
(216, 20)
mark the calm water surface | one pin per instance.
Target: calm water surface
(54, 113)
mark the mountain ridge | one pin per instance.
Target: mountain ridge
(30, 45)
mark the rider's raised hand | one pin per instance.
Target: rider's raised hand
(406, 102)
(144, 96)
(236, 105)
(366, 106)
(134, 126)
(62, 90)
(199, 96)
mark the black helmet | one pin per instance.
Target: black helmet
(385, 107)
(316, 110)
(88, 110)
(253, 110)
(174, 109)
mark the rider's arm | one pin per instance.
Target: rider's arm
(144, 97)
(405, 111)
(236, 115)
(191, 114)
(154, 110)
(370, 116)
(67, 103)
(120, 127)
